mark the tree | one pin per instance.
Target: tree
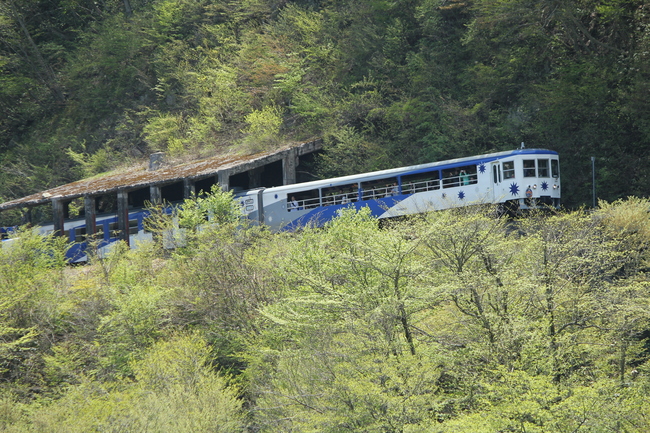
(354, 296)
(215, 207)
(473, 259)
(19, 38)
(30, 269)
(174, 390)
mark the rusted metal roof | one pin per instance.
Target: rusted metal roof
(142, 177)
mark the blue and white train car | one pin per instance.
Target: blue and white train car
(517, 180)
(106, 234)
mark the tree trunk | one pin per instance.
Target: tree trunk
(128, 10)
(47, 74)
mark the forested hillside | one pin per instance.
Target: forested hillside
(453, 322)
(88, 85)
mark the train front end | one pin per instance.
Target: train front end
(527, 179)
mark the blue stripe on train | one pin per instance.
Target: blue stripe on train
(318, 217)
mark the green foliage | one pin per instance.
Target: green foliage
(28, 263)
(106, 73)
(174, 390)
(218, 99)
(501, 323)
(225, 296)
(451, 321)
(216, 207)
(352, 303)
(165, 132)
(349, 152)
(177, 19)
(98, 162)
(263, 129)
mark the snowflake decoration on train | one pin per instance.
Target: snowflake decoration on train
(544, 186)
(461, 194)
(481, 168)
(514, 189)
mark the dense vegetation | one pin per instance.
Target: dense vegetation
(87, 85)
(449, 322)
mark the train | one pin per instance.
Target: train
(514, 181)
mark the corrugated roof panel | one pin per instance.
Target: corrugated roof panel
(141, 177)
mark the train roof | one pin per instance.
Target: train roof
(380, 174)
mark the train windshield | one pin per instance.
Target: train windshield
(555, 168)
(508, 170)
(542, 167)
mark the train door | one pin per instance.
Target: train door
(496, 182)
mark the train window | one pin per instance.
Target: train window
(304, 200)
(542, 167)
(99, 231)
(379, 188)
(80, 234)
(342, 194)
(421, 182)
(529, 168)
(113, 229)
(133, 227)
(555, 168)
(459, 176)
(508, 169)
(293, 204)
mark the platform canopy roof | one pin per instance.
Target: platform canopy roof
(141, 176)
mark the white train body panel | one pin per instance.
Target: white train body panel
(523, 179)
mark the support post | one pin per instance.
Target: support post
(26, 215)
(223, 178)
(255, 177)
(155, 194)
(91, 217)
(593, 181)
(58, 216)
(289, 164)
(123, 215)
(189, 188)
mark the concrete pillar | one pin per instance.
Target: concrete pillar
(58, 216)
(189, 188)
(155, 194)
(223, 178)
(289, 164)
(123, 215)
(26, 215)
(91, 216)
(255, 177)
